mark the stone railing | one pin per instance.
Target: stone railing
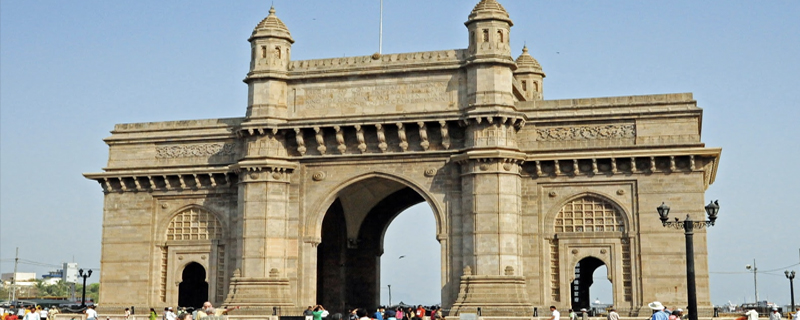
(376, 61)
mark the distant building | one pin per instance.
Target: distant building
(22, 278)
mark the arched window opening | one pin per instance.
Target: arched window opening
(194, 224)
(263, 51)
(588, 214)
(524, 85)
(485, 35)
(500, 37)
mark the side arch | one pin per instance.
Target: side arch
(313, 224)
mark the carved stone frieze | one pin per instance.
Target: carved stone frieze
(611, 131)
(195, 150)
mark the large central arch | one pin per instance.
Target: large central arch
(352, 232)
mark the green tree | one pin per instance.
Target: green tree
(58, 289)
(92, 291)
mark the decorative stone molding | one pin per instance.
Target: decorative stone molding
(612, 165)
(195, 150)
(149, 182)
(611, 131)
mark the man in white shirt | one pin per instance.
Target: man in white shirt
(32, 315)
(170, 315)
(775, 315)
(555, 312)
(91, 314)
(613, 315)
(751, 314)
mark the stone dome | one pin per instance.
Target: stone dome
(526, 63)
(272, 27)
(489, 10)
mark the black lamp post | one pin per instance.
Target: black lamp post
(84, 276)
(688, 226)
(790, 276)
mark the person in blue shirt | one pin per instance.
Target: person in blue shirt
(658, 311)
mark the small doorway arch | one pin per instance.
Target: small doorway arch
(193, 289)
(584, 278)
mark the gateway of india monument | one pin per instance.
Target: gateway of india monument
(286, 206)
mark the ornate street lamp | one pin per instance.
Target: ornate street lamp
(790, 276)
(84, 276)
(688, 225)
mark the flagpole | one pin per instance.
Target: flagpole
(380, 32)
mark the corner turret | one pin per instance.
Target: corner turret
(271, 45)
(489, 61)
(529, 76)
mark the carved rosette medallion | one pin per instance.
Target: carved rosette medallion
(318, 176)
(430, 172)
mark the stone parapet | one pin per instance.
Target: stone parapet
(379, 63)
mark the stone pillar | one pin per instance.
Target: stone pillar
(492, 253)
(260, 282)
(491, 204)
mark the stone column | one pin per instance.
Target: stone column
(260, 282)
(491, 207)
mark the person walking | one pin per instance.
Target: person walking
(585, 314)
(658, 311)
(555, 313)
(612, 314)
(91, 314)
(32, 314)
(51, 314)
(751, 314)
(775, 315)
(153, 314)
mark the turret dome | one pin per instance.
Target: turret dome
(272, 27)
(489, 10)
(526, 63)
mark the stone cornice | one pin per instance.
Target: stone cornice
(164, 180)
(647, 161)
(268, 165)
(513, 156)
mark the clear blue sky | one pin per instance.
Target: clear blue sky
(70, 70)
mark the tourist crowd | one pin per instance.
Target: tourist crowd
(318, 312)
(28, 313)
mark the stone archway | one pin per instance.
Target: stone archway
(193, 289)
(348, 258)
(584, 278)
